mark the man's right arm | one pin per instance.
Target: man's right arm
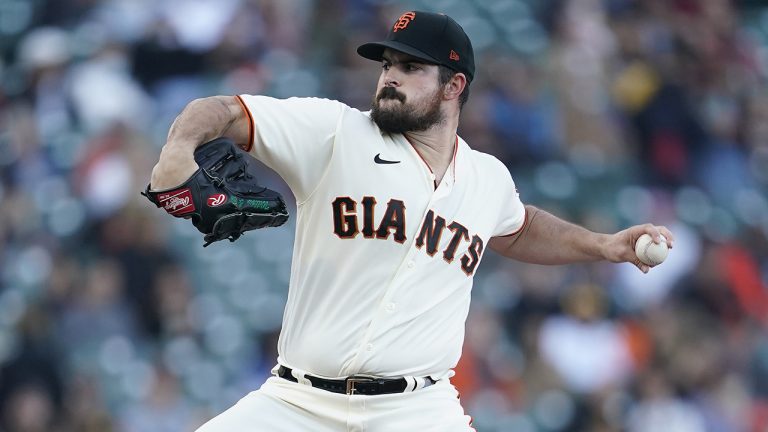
(202, 120)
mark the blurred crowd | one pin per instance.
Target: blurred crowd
(607, 112)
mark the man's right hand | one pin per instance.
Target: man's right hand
(175, 166)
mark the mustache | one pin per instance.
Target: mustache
(390, 93)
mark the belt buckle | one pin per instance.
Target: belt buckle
(354, 380)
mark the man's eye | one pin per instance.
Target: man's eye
(412, 67)
(385, 66)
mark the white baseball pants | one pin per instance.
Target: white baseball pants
(284, 406)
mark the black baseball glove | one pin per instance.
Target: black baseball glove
(222, 197)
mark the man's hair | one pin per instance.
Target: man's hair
(444, 75)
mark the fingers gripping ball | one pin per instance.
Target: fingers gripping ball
(651, 253)
(222, 198)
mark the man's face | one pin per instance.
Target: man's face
(408, 97)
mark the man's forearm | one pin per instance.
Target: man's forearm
(201, 121)
(547, 239)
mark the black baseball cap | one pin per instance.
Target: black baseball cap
(434, 38)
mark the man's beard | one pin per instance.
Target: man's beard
(404, 118)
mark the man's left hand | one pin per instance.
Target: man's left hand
(621, 246)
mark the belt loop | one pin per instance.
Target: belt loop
(410, 383)
(300, 377)
(420, 383)
(423, 382)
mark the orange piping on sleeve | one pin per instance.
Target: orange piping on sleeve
(525, 222)
(250, 122)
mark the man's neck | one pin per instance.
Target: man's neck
(436, 145)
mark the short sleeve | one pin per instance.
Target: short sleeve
(512, 212)
(294, 137)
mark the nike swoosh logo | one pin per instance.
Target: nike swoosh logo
(379, 160)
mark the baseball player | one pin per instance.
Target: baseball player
(394, 213)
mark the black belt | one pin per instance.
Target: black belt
(360, 385)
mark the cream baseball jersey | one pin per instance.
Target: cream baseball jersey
(384, 258)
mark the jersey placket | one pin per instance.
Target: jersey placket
(386, 307)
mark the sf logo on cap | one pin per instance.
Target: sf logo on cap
(403, 21)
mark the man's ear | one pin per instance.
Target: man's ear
(455, 86)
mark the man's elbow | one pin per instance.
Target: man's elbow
(223, 107)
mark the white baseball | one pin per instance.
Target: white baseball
(649, 252)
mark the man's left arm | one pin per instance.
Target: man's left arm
(547, 239)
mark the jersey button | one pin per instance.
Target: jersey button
(390, 307)
(369, 347)
(411, 264)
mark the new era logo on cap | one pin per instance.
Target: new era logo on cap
(434, 38)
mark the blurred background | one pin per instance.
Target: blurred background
(607, 112)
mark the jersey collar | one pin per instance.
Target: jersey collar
(450, 173)
(458, 167)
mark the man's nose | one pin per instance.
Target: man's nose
(390, 79)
